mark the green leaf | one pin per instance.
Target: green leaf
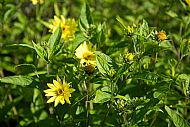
(103, 62)
(54, 43)
(101, 97)
(22, 45)
(176, 118)
(122, 22)
(144, 29)
(85, 15)
(40, 51)
(17, 80)
(78, 40)
(25, 68)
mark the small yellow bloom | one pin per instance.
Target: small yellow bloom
(85, 53)
(188, 2)
(130, 30)
(129, 56)
(68, 27)
(59, 92)
(161, 36)
(34, 2)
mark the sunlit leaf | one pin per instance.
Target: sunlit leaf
(101, 97)
(176, 118)
(17, 80)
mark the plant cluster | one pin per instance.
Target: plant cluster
(97, 69)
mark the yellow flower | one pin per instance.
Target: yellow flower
(161, 36)
(129, 56)
(130, 30)
(34, 2)
(59, 92)
(85, 53)
(68, 27)
(188, 2)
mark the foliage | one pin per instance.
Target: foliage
(138, 74)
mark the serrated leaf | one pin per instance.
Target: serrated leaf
(54, 42)
(25, 68)
(85, 16)
(144, 29)
(101, 97)
(17, 80)
(176, 118)
(103, 62)
(40, 51)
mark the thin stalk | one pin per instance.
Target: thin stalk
(47, 68)
(86, 103)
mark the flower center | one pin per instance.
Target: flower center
(59, 92)
(88, 56)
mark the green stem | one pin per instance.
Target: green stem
(48, 68)
(86, 103)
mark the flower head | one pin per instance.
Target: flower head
(34, 2)
(85, 53)
(59, 92)
(68, 27)
(87, 57)
(161, 36)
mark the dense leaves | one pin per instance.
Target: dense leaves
(126, 64)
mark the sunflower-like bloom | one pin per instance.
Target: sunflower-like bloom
(68, 27)
(34, 2)
(161, 36)
(59, 92)
(86, 55)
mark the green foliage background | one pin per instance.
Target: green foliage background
(151, 90)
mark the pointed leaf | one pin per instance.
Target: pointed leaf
(101, 97)
(85, 16)
(176, 118)
(17, 80)
(54, 42)
(40, 51)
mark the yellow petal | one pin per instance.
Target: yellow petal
(67, 99)
(62, 101)
(51, 94)
(71, 90)
(59, 80)
(52, 99)
(49, 90)
(50, 85)
(57, 101)
(57, 84)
